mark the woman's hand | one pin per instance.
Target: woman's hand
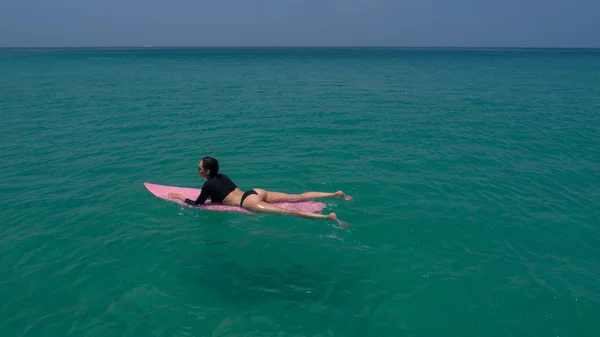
(176, 196)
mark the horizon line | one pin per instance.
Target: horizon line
(144, 46)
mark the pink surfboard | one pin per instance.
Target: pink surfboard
(162, 191)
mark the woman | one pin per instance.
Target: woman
(222, 190)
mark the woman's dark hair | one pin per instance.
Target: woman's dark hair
(212, 165)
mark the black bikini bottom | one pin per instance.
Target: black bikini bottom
(246, 194)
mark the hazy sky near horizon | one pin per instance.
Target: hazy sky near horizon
(445, 23)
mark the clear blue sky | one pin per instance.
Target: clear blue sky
(447, 23)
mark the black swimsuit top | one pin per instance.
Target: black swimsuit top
(217, 187)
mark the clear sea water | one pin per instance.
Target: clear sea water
(475, 176)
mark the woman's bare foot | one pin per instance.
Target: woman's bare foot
(341, 194)
(333, 216)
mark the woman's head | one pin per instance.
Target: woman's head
(208, 167)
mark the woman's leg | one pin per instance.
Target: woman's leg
(272, 197)
(255, 203)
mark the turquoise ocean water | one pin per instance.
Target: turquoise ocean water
(475, 176)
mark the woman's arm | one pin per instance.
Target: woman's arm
(204, 193)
